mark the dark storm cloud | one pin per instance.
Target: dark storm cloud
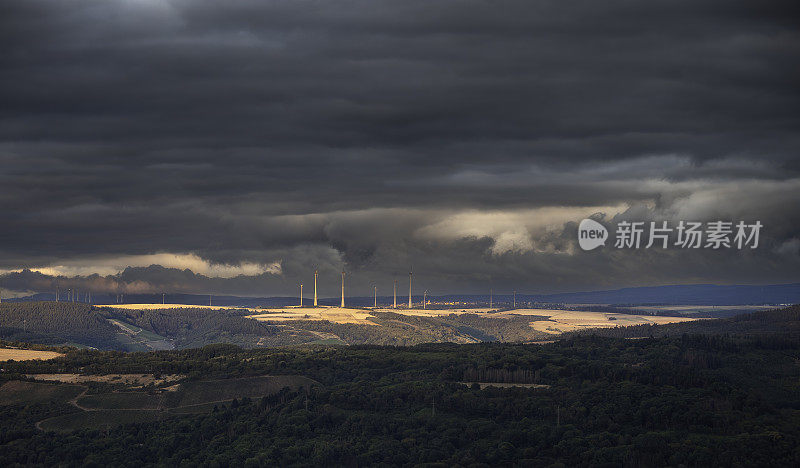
(377, 135)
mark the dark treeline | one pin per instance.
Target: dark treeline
(781, 324)
(693, 400)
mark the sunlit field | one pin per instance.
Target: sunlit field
(558, 320)
(561, 321)
(331, 314)
(7, 354)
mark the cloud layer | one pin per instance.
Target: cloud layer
(256, 141)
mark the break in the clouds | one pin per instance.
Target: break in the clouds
(252, 142)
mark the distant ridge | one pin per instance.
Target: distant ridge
(690, 294)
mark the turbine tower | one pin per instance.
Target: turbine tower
(315, 287)
(410, 275)
(301, 294)
(376, 296)
(395, 294)
(342, 290)
(490, 297)
(424, 298)
(515, 299)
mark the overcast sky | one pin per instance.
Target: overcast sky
(252, 142)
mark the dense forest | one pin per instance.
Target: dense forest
(56, 323)
(690, 399)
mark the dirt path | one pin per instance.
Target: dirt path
(73, 402)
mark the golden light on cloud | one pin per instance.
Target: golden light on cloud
(511, 229)
(115, 264)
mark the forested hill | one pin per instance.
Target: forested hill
(780, 322)
(588, 401)
(76, 324)
(57, 323)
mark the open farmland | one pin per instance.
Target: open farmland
(7, 354)
(417, 312)
(561, 321)
(331, 314)
(558, 320)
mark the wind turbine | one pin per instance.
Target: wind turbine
(315, 287)
(342, 290)
(410, 277)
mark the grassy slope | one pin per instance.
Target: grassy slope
(195, 397)
(19, 392)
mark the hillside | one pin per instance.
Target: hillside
(153, 329)
(126, 329)
(585, 401)
(58, 323)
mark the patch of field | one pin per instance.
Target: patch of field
(331, 314)
(561, 321)
(505, 385)
(197, 393)
(104, 411)
(121, 400)
(436, 312)
(132, 380)
(19, 392)
(206, 391)
(102, 419)
(7, 354)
